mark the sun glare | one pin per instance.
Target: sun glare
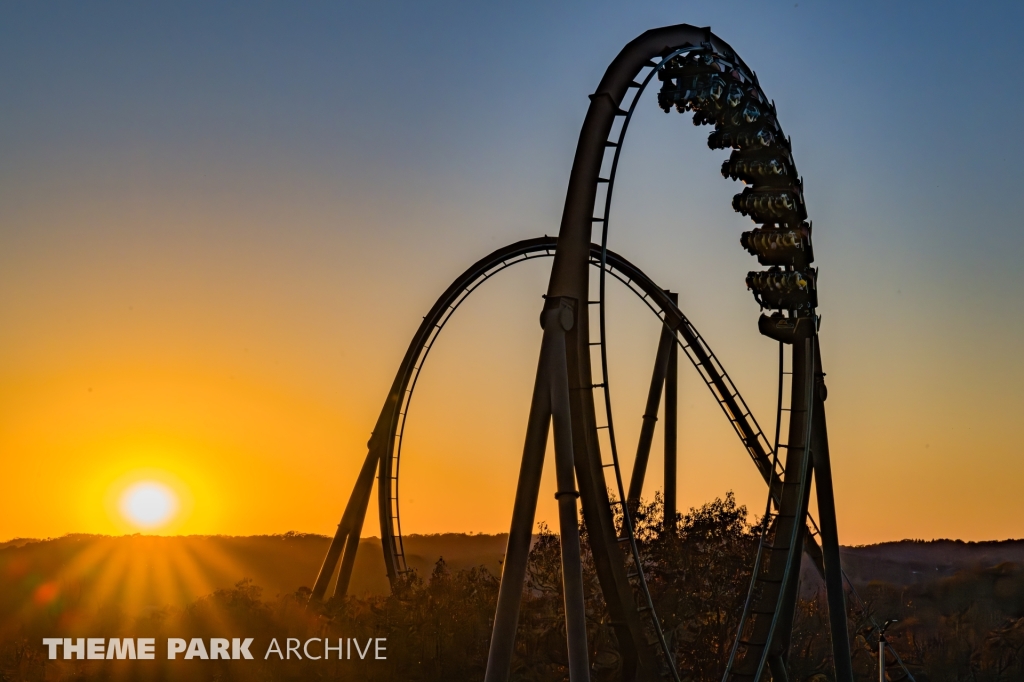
(148, 504)
(149, 499)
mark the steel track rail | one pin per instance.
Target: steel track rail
(654, 297)
(657, 301)
(605, 383)
(696, 349)
(395, 413)
(573, 252)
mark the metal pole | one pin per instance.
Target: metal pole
(352, 517)
(348, 560)
(834, 591)
(881, 658)
(671, 424)
(520, 536)
(666, 342)
(560, 320)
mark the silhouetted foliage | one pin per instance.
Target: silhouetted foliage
(965, 626)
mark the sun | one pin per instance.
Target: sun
(148, 504)
(147, 499)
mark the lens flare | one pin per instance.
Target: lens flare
(148, 504)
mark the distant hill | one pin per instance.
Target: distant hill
(137, 574)
(913, 562)
(959, 605)
(141, 573)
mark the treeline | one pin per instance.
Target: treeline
(437, 626)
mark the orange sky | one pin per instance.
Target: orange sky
(212, 259)
(257, 397)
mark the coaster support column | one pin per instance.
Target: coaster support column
(671, 425)
(834, 590)
(550, 401)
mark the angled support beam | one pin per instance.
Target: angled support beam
(347, 536)
(348, 560)
(666, 343)
(551, 403)
(562, 319)
(834, 590)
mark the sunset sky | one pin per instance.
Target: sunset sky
(221, 223)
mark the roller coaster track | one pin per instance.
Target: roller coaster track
(711, 371)
(397, 406)
(702, 74)
(658, 301)
(395, 411)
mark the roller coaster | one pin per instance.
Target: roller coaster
(701, 74)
